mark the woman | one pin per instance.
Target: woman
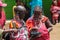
(40, 23)
(17, 23)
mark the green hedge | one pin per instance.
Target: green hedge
(8, 9)
(46, 7)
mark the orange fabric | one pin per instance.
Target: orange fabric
(44, 19)
(29, 24)
(11, 25)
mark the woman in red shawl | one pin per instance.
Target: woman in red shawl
(38, 21)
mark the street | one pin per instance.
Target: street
(55, 34)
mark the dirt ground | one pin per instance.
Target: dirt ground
(55, 33)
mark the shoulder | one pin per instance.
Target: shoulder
(29, 21)
(44, 18)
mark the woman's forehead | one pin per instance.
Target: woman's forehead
(38, 9)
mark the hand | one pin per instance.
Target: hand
(14, 30)
(50, 29)
(39, 35)
(35, 28)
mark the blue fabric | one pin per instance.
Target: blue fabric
(35, 3)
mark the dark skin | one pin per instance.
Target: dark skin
(37, 14)
(20, 15)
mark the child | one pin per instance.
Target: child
(54, 10)
(17, 23)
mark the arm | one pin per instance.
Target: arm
(9, 30)
(48, 25)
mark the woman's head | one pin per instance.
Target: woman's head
(20, 11)
(37, 12)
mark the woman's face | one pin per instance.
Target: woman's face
(20, 14)
(37, 14)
